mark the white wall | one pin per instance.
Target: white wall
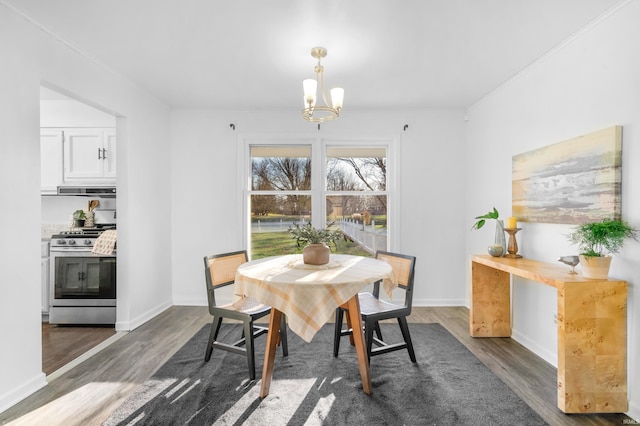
(589, 83)
(31, 57)
(71, 113)
(207, 212)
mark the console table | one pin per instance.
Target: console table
(592, 327)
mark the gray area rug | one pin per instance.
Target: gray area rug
(447, 386)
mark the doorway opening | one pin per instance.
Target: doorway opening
(78, 157)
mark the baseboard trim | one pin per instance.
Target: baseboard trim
(142, 318)
(438, 302)
(543, 353)
(26, 389)
(634, 412)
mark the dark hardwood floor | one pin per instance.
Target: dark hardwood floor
(91, 391)
(61, 344)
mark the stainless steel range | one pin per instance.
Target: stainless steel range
(83, 284)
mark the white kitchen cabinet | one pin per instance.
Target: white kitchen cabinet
(89, 156)
(51, 175)
(44, 275)
(77, 156)
(110, 154)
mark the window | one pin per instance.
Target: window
(356, 194)
(343, 184)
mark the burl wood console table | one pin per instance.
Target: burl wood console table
(592, 328)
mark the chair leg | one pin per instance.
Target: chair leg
(368, 336)
(213, 335)
(404, 327)
(350, 327)
(248, 339)
(337, 333)
(376, 327)
(283, 335)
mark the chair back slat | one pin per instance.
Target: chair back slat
(220, 271)
(223, 268)
(404, 271)
(401, 267)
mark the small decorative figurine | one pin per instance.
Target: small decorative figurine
(571, 261)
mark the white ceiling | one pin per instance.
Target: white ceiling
(254, 54)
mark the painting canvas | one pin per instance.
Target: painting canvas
(574, 181)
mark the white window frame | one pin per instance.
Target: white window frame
(318, 177)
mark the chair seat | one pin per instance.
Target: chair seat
(246, 305)
(369, 305)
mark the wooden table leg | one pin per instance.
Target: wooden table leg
(353, 311)
(270, 351)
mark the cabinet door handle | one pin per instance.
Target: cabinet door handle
(104, 153)
(79, 276)
(99, 150)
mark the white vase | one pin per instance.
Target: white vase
(500, 239)
(595, 267)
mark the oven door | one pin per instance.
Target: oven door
(82, 288)
(84, 280)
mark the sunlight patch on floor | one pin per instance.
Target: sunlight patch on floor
(93, 395)
(148, 392)
(252, 413)
(321, 410)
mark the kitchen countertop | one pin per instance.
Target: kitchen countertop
(47, 230)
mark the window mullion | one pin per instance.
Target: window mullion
(317, 184)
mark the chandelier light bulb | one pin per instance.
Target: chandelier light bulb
(310, 86)
(337, 96)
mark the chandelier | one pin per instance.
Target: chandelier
(316, 112)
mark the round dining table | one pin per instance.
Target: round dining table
(309, 295)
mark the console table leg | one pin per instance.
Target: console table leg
(490, 314)
(592, 347)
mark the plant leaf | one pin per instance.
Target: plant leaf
(491, 215)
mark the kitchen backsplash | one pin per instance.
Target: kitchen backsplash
(48, 229)
(57, 211)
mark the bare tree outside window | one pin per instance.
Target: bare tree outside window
(365, 174)
(281, 174)
(372, 172)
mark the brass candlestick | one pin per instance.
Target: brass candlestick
(512, 247)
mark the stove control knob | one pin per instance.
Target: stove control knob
(72, 242)
(87, 242)
(61, 242)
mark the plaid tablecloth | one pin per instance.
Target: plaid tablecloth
(309, 294)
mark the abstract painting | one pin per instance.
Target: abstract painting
(574, 181)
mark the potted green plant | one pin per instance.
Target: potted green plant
(496, 249)
(597, 241)
(316, 242)
(79, 217)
